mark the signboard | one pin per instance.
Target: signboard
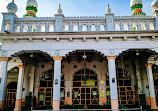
(41, 97)
(102, 93)
(61, 94)
(88, 83)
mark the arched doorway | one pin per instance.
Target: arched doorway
(10, 96)
(85, 88)
(126, 92)
(45, 91)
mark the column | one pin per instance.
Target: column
(102, 92)
(32, 80)
(3, 78)
(151, 86)
(68, 94)
(146, 88)
(57, 82)
(138, 77)
(113, 82)
(19, 88)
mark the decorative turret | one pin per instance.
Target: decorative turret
(59, 11)
(12, 7)
(108, 10)
(136, 7)
(154, 5)
(31, 8)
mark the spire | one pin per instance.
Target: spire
(108, 10)
(59, 5)
(59, 11)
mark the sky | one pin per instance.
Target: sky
(47, 8)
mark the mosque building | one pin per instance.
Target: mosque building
(79, 62)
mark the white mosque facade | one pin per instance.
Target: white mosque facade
(81, 62)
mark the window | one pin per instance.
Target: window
(125, 26)
(43, 28)
(93, 28)
(143, 26)
(102, 27)
(66, 27)
(117, 26)
(7, 26)
(34, 28)
(51, 28)
(134, 26)
(84, 28)
(151, 26)
(17, 28)
(75, 27)
(25, 29)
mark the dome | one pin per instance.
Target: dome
(12, 7)
(133, 2)
(154, 5)
(32, 3)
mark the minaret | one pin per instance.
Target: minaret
(31, 8)
(136, 7)
(154, 7)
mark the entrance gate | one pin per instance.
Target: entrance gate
(85, 95)
(85, 88)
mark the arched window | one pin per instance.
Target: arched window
(151, 26)
(117, 26)
(7, 26)
(34, 28)
(75, 27)
(102, 28)
(17, 28)
(84, 28)
(51, 28)
(143, 26)
(25, 29)
(66, 27)
(125, 26)
(43, 28)
(93, 28)
(134, 26)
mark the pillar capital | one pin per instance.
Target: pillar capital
(21, 66)
(110, 57)
(57, 58)
(4, 58)
(148, 64)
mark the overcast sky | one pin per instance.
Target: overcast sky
(47, 8)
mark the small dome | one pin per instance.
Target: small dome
(60, 11)
(32, 3)
(154, 5)
(12, 7)
(133, 2)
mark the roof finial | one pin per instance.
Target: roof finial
(13, 1)
(59, 5)
(108, 5)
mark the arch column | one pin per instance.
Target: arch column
(151, 86)
(113, 82)
(57, 82)
(3, 78)
(18, 103)
(68, 94)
